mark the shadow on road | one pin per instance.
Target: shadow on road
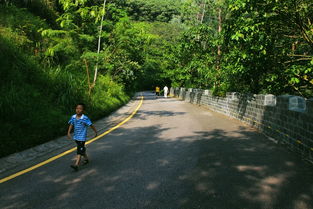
(140, 168)
(144, 114)
(231, 172)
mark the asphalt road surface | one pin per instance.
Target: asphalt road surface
(171, 155)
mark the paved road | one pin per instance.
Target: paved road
(171, 155)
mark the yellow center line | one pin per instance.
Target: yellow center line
(73, 149)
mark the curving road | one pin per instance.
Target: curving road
(171, 155)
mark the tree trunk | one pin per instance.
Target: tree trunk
(88, 78)
(203, 11)
(99, 44)
(219, 51)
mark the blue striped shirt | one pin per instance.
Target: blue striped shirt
(80, 127)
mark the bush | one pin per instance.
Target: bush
(36, 104)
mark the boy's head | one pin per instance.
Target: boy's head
(80, 108)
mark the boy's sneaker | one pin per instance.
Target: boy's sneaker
(75, 167)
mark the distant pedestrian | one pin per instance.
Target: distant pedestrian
(165, 89)
(80, 122)
(157, 91)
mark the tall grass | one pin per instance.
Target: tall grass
(28, 116)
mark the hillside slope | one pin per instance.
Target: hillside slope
(37, 100)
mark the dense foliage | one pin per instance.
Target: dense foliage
(152, 10)
(262, 47)
(270, 44)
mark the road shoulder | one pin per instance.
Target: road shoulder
(22, 160)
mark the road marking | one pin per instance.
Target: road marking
(73, 149)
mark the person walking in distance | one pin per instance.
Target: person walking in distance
(165, 89)
(157, 91)
(80, 122)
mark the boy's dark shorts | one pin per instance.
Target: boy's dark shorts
(81, 149)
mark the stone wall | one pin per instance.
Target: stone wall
(287, 119)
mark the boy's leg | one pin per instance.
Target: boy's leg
(78, 158)
(81, 151)
(84, 154)
(86, 159)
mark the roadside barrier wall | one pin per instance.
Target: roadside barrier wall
(287, 119)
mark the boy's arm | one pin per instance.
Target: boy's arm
(69, 136)
(95, 130)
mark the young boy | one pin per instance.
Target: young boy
(80, 122)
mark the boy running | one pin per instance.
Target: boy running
(80, 122)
